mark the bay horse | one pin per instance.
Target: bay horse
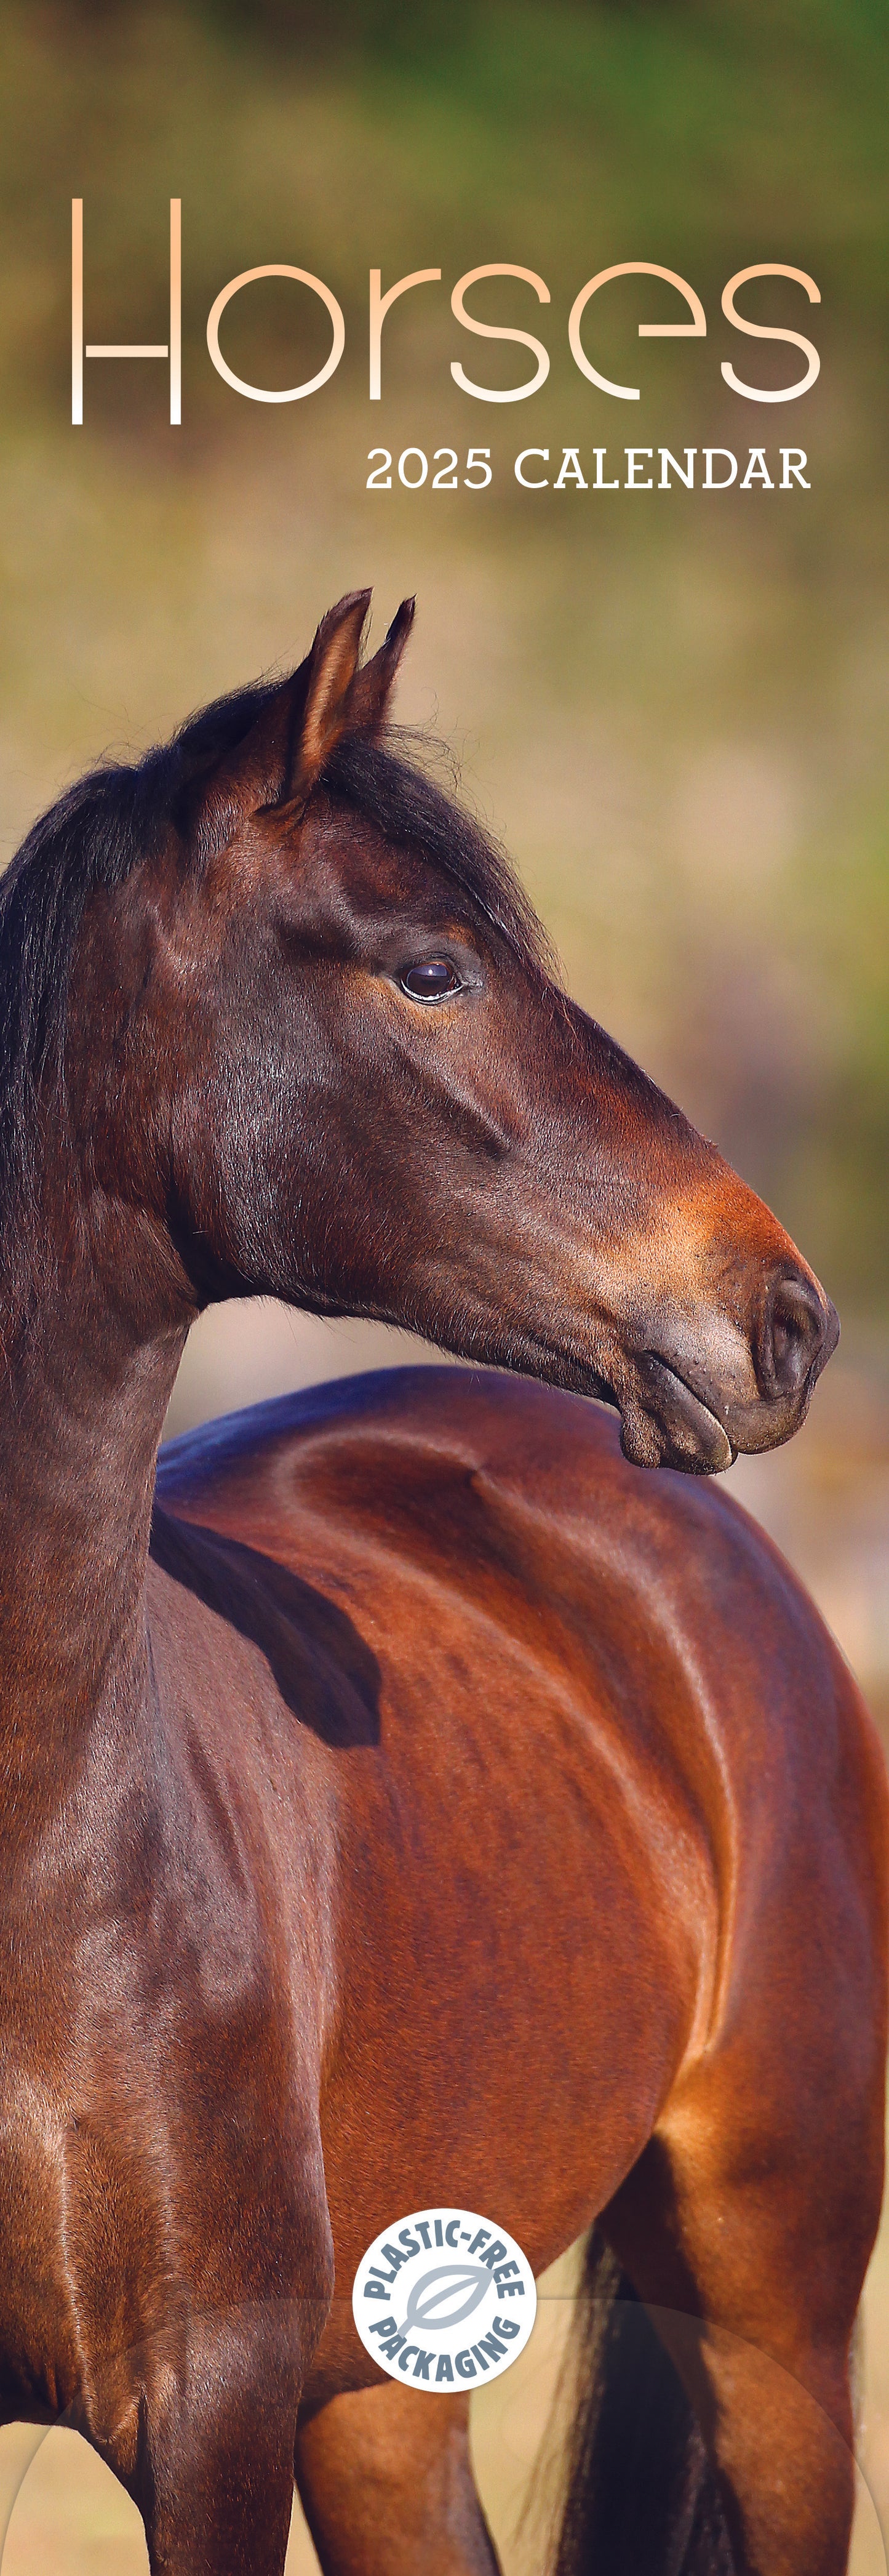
(408, 1801)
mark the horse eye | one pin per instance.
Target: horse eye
(430, 981)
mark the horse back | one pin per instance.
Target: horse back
(531, 1601)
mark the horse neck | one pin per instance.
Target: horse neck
(87, 1383)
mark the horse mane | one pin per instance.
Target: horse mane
(119, 813)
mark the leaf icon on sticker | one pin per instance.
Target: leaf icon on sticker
(432, 2298)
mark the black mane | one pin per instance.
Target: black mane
(120, 812)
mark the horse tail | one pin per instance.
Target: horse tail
(642, 2497)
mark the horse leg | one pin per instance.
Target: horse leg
(213, 2472)
(746, 2225)
(386, 2484)
(751, 2271)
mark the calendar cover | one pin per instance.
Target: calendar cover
(567, 322)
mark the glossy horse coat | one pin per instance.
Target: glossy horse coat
(444, 1809)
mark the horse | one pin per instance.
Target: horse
(405, 1800)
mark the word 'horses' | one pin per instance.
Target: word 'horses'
(445, 1811)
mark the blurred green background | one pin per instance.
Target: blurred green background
(672, 706)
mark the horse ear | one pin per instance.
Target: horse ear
(280, 760)
(327, 713)
(372, 687)
(277, 763)
(342, 697)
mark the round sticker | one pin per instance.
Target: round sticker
(444, 2298)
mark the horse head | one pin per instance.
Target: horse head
(313, 1036)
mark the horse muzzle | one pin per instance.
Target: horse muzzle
(694, 1408)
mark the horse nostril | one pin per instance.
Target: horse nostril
(798, 1334)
